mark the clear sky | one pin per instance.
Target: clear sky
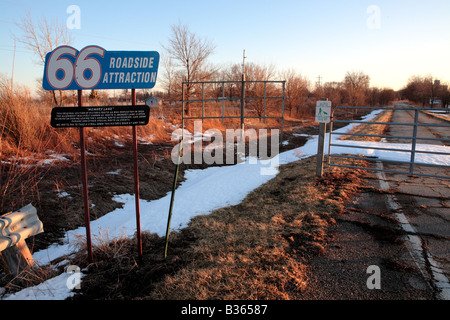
(388, 40)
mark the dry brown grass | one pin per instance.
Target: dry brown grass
(29, 277)
(254, 250)
(258, 249)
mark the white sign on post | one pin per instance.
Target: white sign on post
(323, 111)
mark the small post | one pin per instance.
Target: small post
(414, 142)
(18, 258)
(15, 227)
(223, 102)
(172, 197)
(87, 220)
(242, 106)
(182, 107)
(203, 102)
(265, 94)
(321, 147)
(329, 140)
(282, 111)
(136, 182)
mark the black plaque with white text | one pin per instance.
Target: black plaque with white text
(108, 116)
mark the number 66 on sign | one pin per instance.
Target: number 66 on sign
(93, 67)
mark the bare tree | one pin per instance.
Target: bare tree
(254, 72)
(445, 95)
(232, 72)
(356, 83)
(168, 78)
(191, 53)
(296, 91)
(421, 89)
(334, 91)
(43, 37)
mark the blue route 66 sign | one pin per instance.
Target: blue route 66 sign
(95, 68)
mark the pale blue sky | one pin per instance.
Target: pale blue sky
(325, 38)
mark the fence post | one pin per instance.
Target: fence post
(414, 141)
(242, 106)
(265, 90)
(203, 102)
(320, 149)
(182, 107)
(15, 227)
(282, 111)
(330, 137)
(223, 101)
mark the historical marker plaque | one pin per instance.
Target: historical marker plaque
(109, 116)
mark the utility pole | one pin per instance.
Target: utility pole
(243, 65)
(319, 82)
(243, 96)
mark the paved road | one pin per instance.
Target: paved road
(404, 230)
(423, 132)
(423, 203)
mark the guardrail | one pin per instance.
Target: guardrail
(15, 227)
(413, 151)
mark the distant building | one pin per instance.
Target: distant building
(436, 101)
(153, 102)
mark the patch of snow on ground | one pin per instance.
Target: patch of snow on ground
(202, 192)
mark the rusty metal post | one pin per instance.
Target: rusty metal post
(87, 220)
(242, 107)
(136, 182)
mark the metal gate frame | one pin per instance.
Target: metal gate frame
(413, 151)
(243, 98)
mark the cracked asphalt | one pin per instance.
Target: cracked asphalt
(402, 226)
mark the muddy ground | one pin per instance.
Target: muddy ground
(110, 172)
(56, 189)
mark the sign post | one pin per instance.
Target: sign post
(323, 113)
(136, 181)
(87, 221)
(93, 67)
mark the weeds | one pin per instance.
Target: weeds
(255, 250)
(29, 277)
